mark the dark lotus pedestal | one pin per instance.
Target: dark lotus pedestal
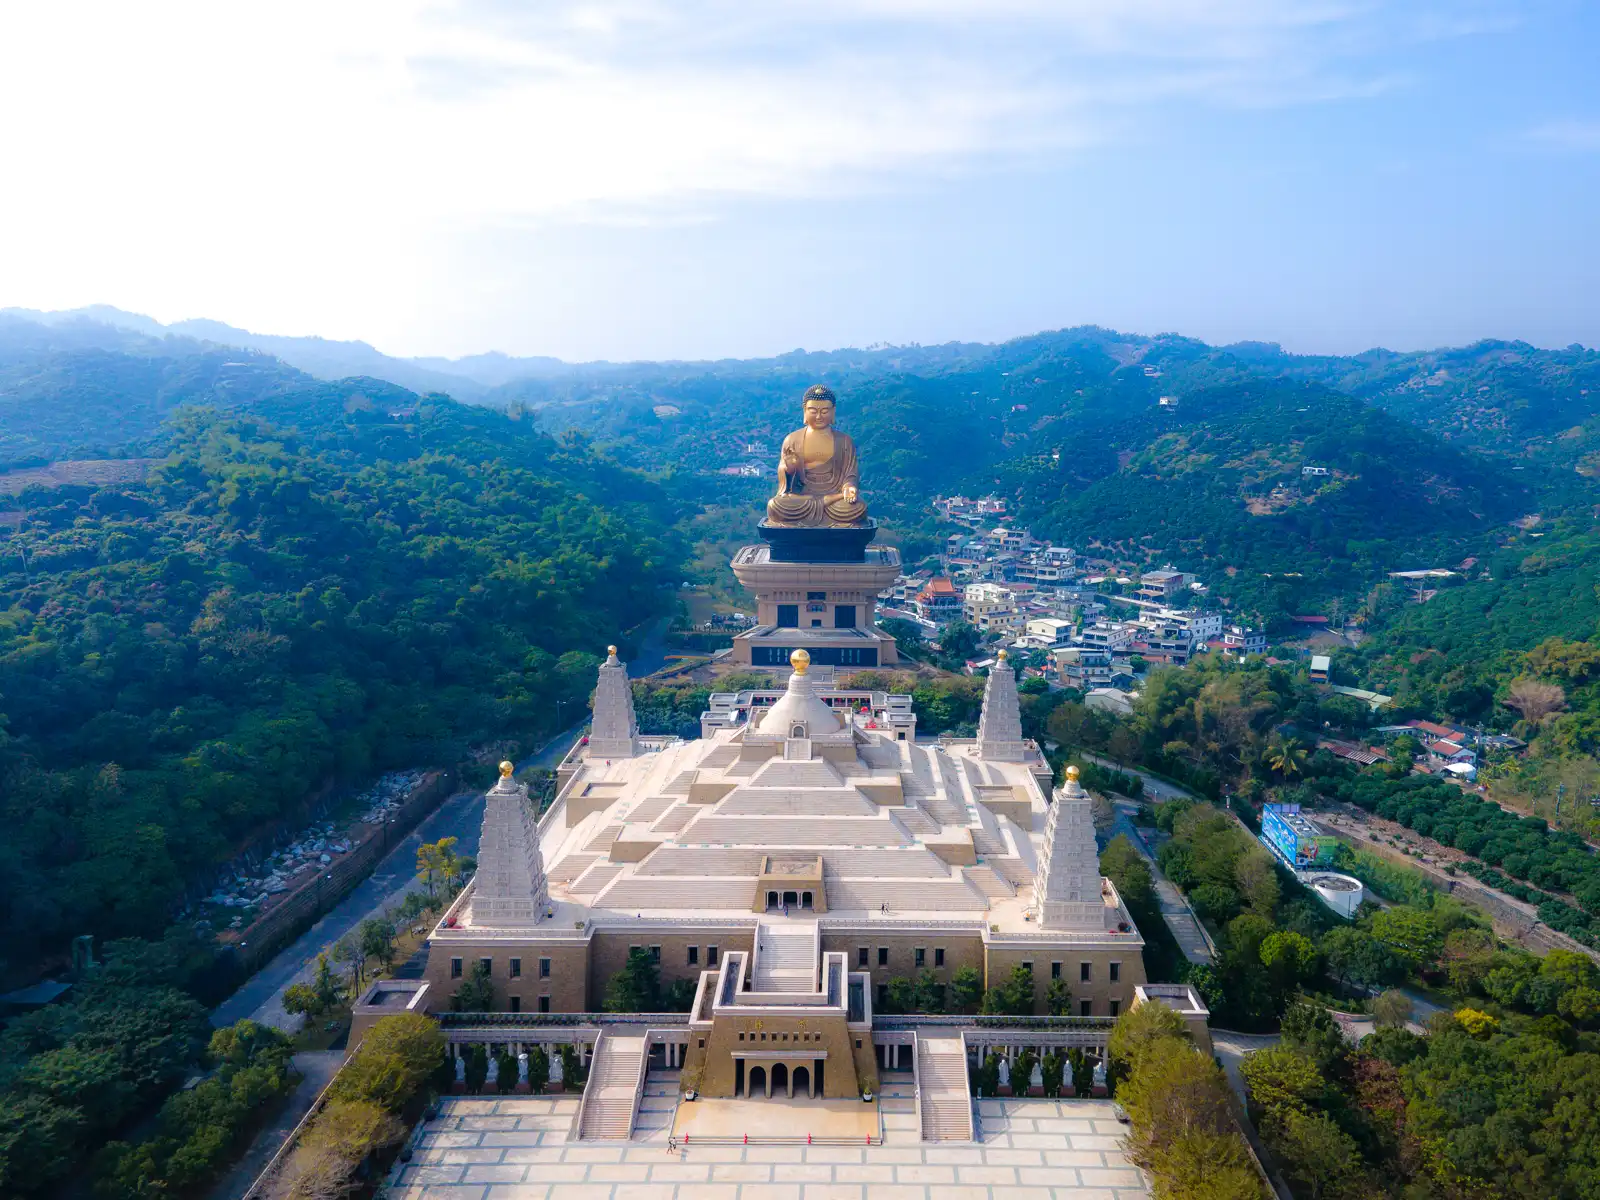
(818, 544)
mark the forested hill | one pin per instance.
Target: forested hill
(395, 580)
(1072, 428)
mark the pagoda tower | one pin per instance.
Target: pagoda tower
(1000, 724)
(614, 732)
(511, 890)
(1066, 889)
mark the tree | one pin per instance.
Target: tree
(347, 950)
(1257, 878)
(1285, 757)
(376, 939)
(437, 862)
(476, 1069)
(929, 996)
(1319, 1159)
(1122, 863)
(397, 1055)
(966, 989)
(1535, 700)
(959, 640)
(325, 985)
(1356, 956)
(1392, 1009)
(637, 986)
(507, 1072)
(476, 993)
(1308, 1029)
(1409, 933)
(907, 636)
(1280, 1076)
(901, 995)
(1012, 998)
(1290, 958)
(1058, 998)
(538, 1069)
(300, 999)
(1141, 1028)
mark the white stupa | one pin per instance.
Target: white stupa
(510, 889)
(1066, 890)
(614, 732)
(1000, 725)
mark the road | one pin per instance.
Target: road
(316, 1069)
(1175, 910)
(260, 998)
(1156, 789)
(460, 817)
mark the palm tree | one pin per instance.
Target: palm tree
(1285, 757)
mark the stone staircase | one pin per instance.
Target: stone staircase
(786, 961)
(609, 1096)
(984, 878)
(942, 1078)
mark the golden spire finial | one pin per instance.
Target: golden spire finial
(1072, 773)
(506, 768)
(611, 651)
(800, 661)
(1001, 656)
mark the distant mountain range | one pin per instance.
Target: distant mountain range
(464, 378)
(1304, 474)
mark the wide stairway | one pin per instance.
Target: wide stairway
(942, 1080)
(609, 1097)
(786, 961)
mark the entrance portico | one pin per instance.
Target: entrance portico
(768, 1074)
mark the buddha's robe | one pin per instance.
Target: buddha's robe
(826, 466)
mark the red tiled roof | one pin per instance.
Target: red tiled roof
(1438, 731)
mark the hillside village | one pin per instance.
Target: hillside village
(1072, 619)
(1080, 622)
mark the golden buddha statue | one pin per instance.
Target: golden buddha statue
(818, 476)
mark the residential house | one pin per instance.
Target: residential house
(939, 602)
(1319, 668)
(1163, 584)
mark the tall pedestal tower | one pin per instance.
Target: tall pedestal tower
(816, 590)
(817, 577)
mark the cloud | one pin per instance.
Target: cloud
(1571, 136)
(254, 159)
(495, 109)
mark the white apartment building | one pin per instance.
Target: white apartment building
(1199, 624)
(1111, 636)
(990, 608)
(1048, 632)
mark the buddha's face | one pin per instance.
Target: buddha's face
(819, 414)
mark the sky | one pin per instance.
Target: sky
(631, 179)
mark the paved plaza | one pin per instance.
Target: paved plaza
(517, 1148)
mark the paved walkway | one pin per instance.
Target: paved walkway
(1175, 910)
(316, 1069)
(516, 1148)
(261, 996)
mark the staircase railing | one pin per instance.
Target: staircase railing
(595, 1064)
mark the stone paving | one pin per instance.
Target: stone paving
(516, 1148)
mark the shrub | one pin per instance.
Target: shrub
(398, 1054)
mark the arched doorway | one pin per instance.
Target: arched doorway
(758, 1081)
(802, 1082)
(780, 1079)
(772, 901)
(805, 899)
(792, 899)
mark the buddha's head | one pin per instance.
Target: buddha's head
(820, 403)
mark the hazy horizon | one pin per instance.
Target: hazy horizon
(631, 180)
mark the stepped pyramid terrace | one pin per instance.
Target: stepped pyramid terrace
(783, 868)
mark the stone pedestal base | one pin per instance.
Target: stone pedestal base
(791, 594)
(825, 544)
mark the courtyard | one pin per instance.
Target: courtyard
(518, 1148)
